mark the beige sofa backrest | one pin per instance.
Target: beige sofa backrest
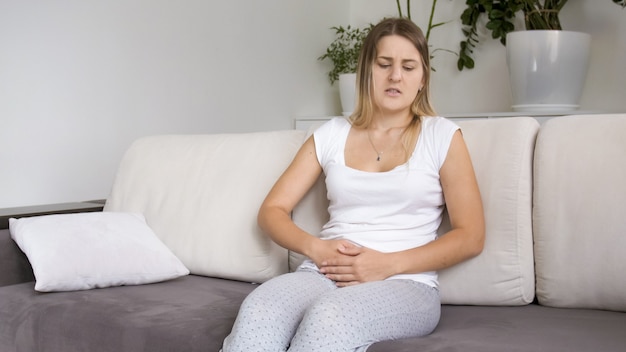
(201, 194)
(580, 212)
(502, 152)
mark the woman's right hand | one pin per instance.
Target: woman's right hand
(324, 250)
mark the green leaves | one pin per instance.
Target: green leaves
(344, 51)
(465, 60)
(546, 16)
(539, 14)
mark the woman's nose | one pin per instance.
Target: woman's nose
(395, 75)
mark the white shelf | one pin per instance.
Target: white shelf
(519, 113)
(305, 123)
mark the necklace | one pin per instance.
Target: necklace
(378, 153)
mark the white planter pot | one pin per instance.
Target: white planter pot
(347, 92)
(547, 69)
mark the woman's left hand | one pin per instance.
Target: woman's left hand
(358, 266)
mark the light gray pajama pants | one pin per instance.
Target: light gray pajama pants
(305, 311)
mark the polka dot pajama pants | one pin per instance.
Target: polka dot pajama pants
(305, 311)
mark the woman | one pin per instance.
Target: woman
(372, 271)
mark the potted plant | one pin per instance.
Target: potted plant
(538, 82)
(344, 52)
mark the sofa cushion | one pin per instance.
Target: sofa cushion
(502, 151)
(580, 212)
(503, 274)
(93, 250)
(201, 194)
(518, 329)
(190, 314)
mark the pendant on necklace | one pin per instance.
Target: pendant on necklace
(378, 158)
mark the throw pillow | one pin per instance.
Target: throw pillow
(93, 250)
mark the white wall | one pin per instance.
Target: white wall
(81, 79)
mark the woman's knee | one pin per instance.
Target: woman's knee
(328, 322)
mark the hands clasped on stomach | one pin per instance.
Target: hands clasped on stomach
(348, 264)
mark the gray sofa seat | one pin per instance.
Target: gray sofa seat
(518, 329)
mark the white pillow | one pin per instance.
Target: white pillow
(93, 250)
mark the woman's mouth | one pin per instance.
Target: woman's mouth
(393, 92)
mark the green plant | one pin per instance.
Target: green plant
(538, 14)
(344, 50)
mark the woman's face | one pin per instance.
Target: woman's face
(397, 74)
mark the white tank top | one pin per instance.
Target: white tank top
(385, 211)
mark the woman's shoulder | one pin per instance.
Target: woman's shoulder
(437, 120)
(328, 139)
(437, 133)
(339, 121)
(438, 124)
(332, 125)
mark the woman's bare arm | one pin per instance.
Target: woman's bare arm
(274, 215)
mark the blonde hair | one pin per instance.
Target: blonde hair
(421, 106)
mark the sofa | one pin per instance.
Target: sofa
(552, 276)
